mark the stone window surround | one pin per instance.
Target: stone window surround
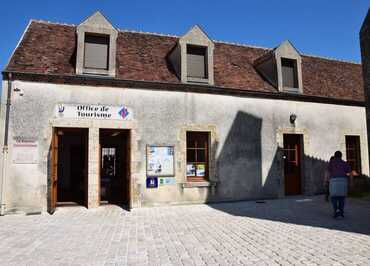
(181, 155)
(363, 146)
(196, 37)
(82, 30)
(93, 155)
(286, 50)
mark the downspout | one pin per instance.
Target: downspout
(5, 146)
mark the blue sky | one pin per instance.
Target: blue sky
(325, 28)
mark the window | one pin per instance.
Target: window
(197, 156)
(196, 61)
(289, 73)
(96, 52)
(353, 153)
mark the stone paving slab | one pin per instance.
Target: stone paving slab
(292, 231)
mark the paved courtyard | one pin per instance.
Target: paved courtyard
(297, 231)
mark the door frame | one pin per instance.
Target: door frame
(127, 164)
(54, 171)
(300, 163)
(280, 131)
(55, 145)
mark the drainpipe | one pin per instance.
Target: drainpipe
(5, 147)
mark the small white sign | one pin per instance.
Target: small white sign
(90, 111)
(25, 152)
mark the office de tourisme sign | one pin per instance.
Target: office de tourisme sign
(92, 111)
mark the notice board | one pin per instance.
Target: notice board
(160, 161)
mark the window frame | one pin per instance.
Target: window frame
(356, 160)
(107, 38)
(206, 161)
(294, 63)
(205, 54)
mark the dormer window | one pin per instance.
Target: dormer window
(96, 55)
(96, 47)
(197, 62)
(192, 57)
(282, 67)
(289, 73)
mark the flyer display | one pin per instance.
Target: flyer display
(160, 161)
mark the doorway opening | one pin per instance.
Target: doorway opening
(115, 167)
(293, 148)
(71, 179)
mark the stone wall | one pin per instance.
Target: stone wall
(365, 56)
(246, 141)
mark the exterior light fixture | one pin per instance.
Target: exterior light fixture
(292, 118)
(20, 91)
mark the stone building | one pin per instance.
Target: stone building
(365, 56)
(91, 114)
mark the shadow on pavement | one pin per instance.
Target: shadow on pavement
(241, 176)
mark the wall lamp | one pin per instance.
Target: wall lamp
(292, 118)
(19, 90)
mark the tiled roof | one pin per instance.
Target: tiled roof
(48, 48)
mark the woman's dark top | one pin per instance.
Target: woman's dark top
(338, 168)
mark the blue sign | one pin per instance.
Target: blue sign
(151, 182)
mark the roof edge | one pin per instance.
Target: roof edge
(19, 42)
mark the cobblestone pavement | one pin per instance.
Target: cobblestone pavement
(297, 231)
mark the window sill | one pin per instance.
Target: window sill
(102, 72)
(197, 80)
(198, 184)
(292, 90)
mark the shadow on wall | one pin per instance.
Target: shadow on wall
(239, 164)
(239, 175)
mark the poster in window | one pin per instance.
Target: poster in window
(201, 170)
(160, 161)
(190, 169)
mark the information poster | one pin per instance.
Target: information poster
(160, 161)
(25, 152)
(201, 170)
(190, 169)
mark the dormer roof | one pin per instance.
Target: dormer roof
(97, 20)
(196, 36)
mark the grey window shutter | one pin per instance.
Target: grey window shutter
(196, 61)
(96, 52)
(289, 72)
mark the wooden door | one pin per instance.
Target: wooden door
(54, 172)
(86, 167)
(128, 169)
(292, 163)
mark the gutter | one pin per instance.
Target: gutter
(5, 147)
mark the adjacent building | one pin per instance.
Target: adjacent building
(91, 114)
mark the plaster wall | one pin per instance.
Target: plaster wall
(245, 152)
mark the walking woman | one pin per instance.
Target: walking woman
(340, 172)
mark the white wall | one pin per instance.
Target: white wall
(249, 129)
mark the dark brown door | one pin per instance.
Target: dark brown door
(292, 163)
(54, 172)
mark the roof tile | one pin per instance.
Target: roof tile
(49, 48)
